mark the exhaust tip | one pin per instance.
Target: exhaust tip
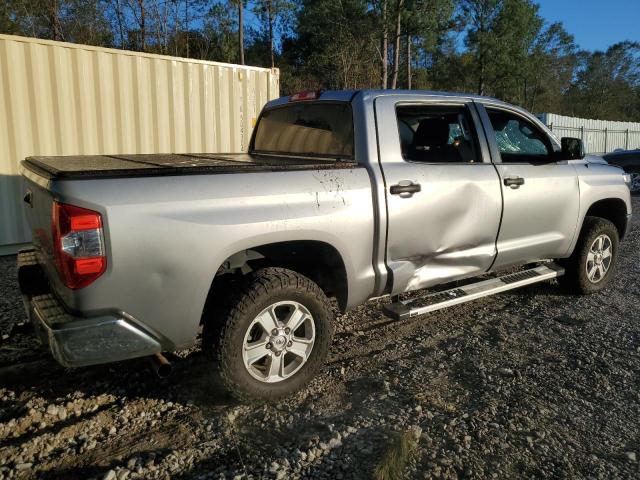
(161, 366)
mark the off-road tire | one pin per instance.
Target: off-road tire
(225, 334)
(575, 279)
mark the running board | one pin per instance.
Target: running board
(436, 301)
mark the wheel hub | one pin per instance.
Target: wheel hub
(279, 341)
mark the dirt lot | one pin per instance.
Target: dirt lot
(527, 384)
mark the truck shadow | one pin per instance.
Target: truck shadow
(36, 369)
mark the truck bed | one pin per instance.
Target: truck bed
(146, 165)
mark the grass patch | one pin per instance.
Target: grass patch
(395, 459)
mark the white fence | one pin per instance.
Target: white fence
(599, 136)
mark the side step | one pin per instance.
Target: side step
(436, 301)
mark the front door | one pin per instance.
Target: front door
(541, 195)
(442, 192)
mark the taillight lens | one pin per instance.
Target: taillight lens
(78, 244)
(306, 95)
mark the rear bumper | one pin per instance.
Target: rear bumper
(77, 341)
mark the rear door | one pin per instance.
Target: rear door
(541, 195)
(442, 192)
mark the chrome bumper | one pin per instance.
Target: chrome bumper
(78, 341)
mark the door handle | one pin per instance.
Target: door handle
(514, 182)
(405, 188)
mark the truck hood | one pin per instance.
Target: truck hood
(595, 159)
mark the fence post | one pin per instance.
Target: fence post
(605, 139)
(626, 141)
(582, 133)
(551, 127)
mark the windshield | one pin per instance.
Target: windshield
(319, 129)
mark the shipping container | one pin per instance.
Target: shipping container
(66, 99)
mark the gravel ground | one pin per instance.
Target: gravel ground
(527, 384)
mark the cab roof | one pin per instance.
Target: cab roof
(350, 95)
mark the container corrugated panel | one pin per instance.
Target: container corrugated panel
(65, 99)
(599, 136)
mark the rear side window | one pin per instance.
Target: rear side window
(437, 134)
(317, 129)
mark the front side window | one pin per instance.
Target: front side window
(320, 129)
(437, 134)
(518, 140)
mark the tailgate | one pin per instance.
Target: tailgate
(38, 204)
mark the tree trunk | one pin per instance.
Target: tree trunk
(481, 21)
(176, 34)
(534, 95)
(241, 30)
(385, 46)
(186, 24)
(119, 19)
(396, 48)
(143, 28)
(408, 62)
(481, 79)
(270, 15)
(55, 21)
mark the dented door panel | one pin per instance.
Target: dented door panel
(448, 229)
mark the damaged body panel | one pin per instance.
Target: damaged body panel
(448, 230)
(421, 255)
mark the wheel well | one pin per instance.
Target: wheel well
(318, 261)
(612, 209)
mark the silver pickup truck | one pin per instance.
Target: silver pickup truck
(347, 195)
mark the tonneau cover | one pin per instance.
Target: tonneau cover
(143, 165)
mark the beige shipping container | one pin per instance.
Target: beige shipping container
(66, 99)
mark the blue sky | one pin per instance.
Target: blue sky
(595, 24)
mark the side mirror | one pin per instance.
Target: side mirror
(572, 148)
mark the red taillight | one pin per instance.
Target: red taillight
(86, 221)
(78, 244)
(307, 95)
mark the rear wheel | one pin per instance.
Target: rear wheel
(274, 336)
(591, 266)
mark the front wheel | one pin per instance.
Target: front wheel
(274, 337)
(590, 267)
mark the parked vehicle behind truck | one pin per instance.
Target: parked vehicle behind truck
(629, 161)
(343, 195)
